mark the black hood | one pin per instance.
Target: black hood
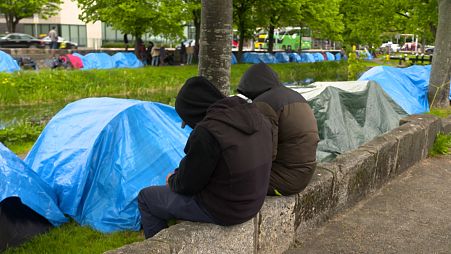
(194, 98)
(237, 113)
(258, 79)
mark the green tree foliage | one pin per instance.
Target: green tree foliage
(137, 17)
(192, 9)
(323, 17)
(369, 21)
(277, 13)
(244, 20)
(15, 10)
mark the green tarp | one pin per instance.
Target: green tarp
(349, 114)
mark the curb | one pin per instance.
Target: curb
(336, 186)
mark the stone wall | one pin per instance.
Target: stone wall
(336, 186)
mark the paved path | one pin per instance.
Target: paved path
(411, 214)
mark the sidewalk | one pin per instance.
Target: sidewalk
(411, 214)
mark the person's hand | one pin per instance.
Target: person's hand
(167, 177)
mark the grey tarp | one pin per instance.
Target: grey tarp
(350, 114)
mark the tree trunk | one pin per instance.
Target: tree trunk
(216, 43)
(441, 63)
(196, 21)
(271, 39)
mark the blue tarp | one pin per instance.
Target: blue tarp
(295, 58)
(256, 58)
(338, 56)
(330, 56)
(406, 86)
(307, 58)
(126, 60)
(97, 61)
(234, 61)
(18, 180)
(282, 57)
(7, 63)
(98, 153)
(318, 57)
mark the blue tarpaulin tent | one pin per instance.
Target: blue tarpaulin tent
(98, 153)
(97, 61)
(318, 57)
(406, 86)
(307, 58)
(295, 58)
(330, 56)
(18, 180)
(126, 60)
(338, 56)
(258, 58)
(7, 63)
(234, 61)
(282, 57)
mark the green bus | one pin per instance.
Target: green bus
(290, 39)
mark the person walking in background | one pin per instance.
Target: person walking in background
(295, 131)
(53, 35)
(189, 53)
(155, 55)
(182, 53)
(149, 53)
(126, 42)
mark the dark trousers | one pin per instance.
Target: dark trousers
(158, 204)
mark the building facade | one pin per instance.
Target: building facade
(67, 23)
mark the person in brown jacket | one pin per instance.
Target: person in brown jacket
(295, 131)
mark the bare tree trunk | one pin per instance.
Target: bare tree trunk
(196, 21)
(271, 39)
(441, 64)
(216, 43)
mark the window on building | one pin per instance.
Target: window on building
(75, 33)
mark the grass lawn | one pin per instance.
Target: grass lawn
(72, 238)
(149, 83)
(155, 84)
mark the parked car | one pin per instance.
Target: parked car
(62, 43)
(393, 46)
(18, 40)
(429, 50)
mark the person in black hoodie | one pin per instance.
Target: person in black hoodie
(224, 175)
(295, 131)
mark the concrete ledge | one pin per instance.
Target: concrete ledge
(335, 186)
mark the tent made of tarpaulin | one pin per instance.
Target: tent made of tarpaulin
(27, 203)
(126, 60)
(349, 114)
(256, 58)
(406, 86)
(282, 57)
(74, 61)
(318, 57)
(307, 58)
(330, 56)
(96, 61)
(7, 63)
(234, 60)
(98, 153)
(338, 56)
(295, 58)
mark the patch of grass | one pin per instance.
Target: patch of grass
(72, 238)
(441, 112)
(442, 145)
(149, 83)
(19, 136)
